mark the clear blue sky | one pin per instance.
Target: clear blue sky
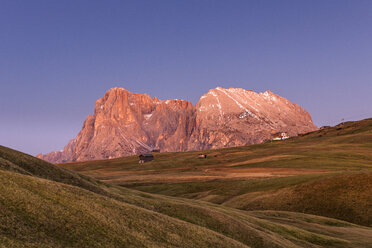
(58, 57)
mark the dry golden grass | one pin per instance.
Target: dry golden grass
(38, 212)
(347, 197)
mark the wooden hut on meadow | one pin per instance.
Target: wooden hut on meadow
(143, 158)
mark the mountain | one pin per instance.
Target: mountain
(126, 123)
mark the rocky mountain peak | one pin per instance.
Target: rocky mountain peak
(126, 123)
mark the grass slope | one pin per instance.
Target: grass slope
(38, 212)
(45, 206)
(326, 172)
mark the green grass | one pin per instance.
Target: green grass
(225, 190)
(38, 212)
(347, 197)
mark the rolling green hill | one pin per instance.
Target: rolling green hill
(46, 206)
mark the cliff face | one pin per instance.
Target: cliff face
(126, 123)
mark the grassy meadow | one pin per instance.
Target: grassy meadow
(310, 191)
(327, 172)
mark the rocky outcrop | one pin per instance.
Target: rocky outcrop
(126, 123)
(236, 117)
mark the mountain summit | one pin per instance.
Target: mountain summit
(126, 123)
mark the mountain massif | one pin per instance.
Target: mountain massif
(126, 123)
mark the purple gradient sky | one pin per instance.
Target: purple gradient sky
(58, 57)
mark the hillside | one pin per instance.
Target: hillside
(46, 206)
(126, 123)
(327, 172)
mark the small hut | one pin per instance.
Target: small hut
(280, 136)
(201, 156)
(143, 158)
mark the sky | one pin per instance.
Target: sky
(58, 57)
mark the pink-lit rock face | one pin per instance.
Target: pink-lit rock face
(235, 117)
(126, 123)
